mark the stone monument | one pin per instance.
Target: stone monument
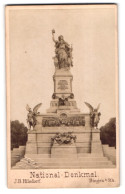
(64, 137)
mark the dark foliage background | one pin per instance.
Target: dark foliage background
(18, 134)
(108, 133)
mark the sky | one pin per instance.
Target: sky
(92, 33)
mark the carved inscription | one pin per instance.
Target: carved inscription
(62, 85)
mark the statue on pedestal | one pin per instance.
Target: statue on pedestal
(63, 101)
(94, 115)
(63, 51)
(31, 119)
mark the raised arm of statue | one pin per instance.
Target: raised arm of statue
(53, 38)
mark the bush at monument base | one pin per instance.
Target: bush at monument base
(108, 133)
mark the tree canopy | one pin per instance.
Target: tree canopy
(108, 133)
(18, 134)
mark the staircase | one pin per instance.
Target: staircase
(17, 154)
(44, 161)
(110, 153)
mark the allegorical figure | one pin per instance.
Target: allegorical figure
(31, 119)
(63, 138)
(94, 115)
(63, 51)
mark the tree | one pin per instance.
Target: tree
(108, 133)
(18, 134)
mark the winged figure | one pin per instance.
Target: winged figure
(94, 114)
(31, 116)
(35, 109)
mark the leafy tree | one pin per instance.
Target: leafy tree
(108, 133)
(18, 134)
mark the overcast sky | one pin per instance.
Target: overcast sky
(92, 33)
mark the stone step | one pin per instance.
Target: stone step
(76, 163)
(14, 160)
(76, 167)
(74, 156)
(93, 158)
(107, 146)
(22, 147)
(110, 153)
(81, 159)
(79, 155)
(90, 155)
(61, 163)
(109, 149)
(15, 154)
(38, 155)
(78, 144)
(22, 165)
(112, 149)
(15, 149)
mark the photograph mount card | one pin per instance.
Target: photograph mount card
(62, 96)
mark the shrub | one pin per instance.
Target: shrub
(108, 133)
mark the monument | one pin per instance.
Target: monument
(63, 137)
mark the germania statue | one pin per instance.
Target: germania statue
(63, 51)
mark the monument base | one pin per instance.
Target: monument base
(47, 146)
(85, 153)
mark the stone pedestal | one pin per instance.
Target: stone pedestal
(96, 145)
(31, 146)
(39, 140)
(64, 150)
(62, 82)
(63, 98)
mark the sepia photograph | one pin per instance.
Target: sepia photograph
(62, 96)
